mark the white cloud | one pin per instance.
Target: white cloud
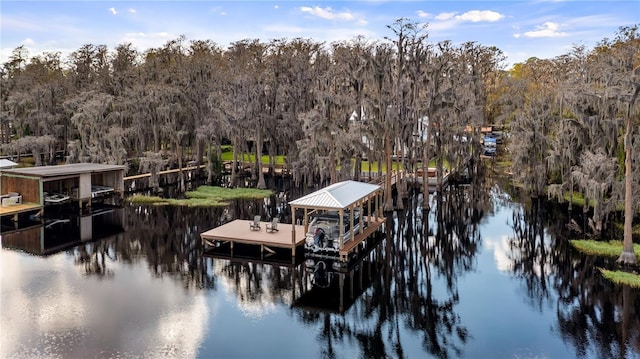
(548, 29)
(480, 15)
(132, 11)
(276, 7)
(423, 14)
(113, 11)
(445, 16)
(501, 252)
(327, 13)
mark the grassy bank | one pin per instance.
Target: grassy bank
(205, 196)
(620, 277)
(611, 249)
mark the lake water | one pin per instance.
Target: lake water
(478, 277)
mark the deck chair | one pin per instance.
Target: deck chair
(255, 225)
(273, 226)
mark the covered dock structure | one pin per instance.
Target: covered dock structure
(344, 198)
(40, 185)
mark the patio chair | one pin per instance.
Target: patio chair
(273, 226)
(255, 225)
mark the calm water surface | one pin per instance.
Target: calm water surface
(478, 277)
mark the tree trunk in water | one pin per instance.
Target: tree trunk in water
(261, 184)
(234, 163)
(36, 156)
(209, 165)
(425, 175)
(401, 184)
(181, 186)
(628, 256)
(200, 151)
(388, 200)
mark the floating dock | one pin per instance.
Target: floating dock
(14, 210)
(239, 231)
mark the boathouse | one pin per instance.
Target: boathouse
(30, 188)
(343, 199)
(341, 207)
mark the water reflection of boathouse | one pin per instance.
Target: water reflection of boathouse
(66, 231)
(324, 285)
(336, 287)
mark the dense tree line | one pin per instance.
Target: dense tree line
(573, 119)
(574, 124)
(320, 105)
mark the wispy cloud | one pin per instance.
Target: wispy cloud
(423, 14)
(328, 13)
(444, 16)
(113, 11)
(132, 11)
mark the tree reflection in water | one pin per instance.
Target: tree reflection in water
(413, 274)
(594, 315)
(417, 253)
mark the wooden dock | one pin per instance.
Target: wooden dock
(352, 246)
(16, 209)
(165, 172)
(239, 231)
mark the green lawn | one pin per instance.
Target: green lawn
(227, 155)
(204, 196)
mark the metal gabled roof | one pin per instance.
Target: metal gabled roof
(337, 196)
(63, 170)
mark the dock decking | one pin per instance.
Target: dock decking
(239, 231)
(372, 225)
(16, 209)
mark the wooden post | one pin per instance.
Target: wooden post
(341, 285)
(351, 230)
(293, 226)
(341, 228)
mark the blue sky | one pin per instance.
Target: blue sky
(521, 29)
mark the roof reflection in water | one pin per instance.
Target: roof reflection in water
(65, 231)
